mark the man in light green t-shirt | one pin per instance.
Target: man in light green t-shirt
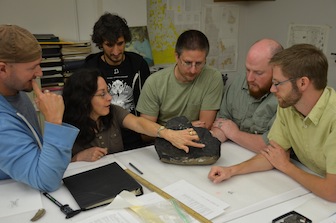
(189, 88)
(305, 121)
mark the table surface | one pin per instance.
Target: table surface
(257, 197)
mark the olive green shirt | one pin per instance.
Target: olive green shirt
(251, 115)
(109, 138)
(313, 138)
(164, 97)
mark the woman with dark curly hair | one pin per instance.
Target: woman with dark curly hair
(88, 107)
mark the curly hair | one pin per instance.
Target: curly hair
(78, 92)
(110, 27)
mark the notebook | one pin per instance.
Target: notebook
(99, 186)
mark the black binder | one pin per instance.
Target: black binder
(99, 186)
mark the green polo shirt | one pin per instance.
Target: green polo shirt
(252, 115)
(313, 138)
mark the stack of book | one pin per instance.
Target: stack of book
(74, 55)
(52, 63)
(60, 59)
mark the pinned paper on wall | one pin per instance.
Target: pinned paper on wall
(316, 35)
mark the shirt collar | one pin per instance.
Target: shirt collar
(316, 113)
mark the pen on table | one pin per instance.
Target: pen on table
(139, 171)
(52, 199)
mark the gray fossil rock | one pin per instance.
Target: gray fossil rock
(196, 156)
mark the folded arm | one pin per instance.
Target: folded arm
(225, 129)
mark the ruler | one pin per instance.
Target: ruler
(165, 195)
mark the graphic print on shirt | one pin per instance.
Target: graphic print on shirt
(122, 94)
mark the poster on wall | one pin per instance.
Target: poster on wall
(316, 35)
(167, 19)
(220, 24)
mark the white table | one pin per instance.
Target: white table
(257, 197)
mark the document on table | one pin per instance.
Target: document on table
(120, 216)
(17, 198)
(120, 210)
(195, 198)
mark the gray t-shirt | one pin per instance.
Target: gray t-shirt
(24, 106)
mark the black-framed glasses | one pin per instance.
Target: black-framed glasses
(197, 65)
(276, 84)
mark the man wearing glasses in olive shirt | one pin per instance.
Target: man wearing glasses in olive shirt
(190, 88)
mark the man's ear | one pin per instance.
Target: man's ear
(303, 83)
(2, 67)
(176, 57)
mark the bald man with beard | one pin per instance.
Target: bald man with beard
(248, 107)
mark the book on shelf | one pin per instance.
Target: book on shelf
(72, 65)
(52, 79)
(79, 44)
(75, 57)
(51, 70)
(46, 38)
(99, 186)
(77, 48)
(51, 59)
(55, 54)
(45, 63)
(48, 50)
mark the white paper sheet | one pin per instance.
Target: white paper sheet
(198, 200)
(118, 210)
(115, 216)
(16, 198)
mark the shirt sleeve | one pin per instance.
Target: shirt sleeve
(225, 106)
(278, 131)
(148, 103)
(23, 160)
(214, 93)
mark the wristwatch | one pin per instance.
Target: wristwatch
(159, 130)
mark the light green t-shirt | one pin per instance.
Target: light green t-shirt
(313, 138)
(164, 97)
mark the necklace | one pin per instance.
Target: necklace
(104, 59)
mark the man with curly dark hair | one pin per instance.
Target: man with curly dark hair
(125, 72)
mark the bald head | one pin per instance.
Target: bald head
(263, 50)
(258, 70)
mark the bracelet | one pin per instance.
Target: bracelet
(159, 130)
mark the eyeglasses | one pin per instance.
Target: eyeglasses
(276, 84)
(103, 94)
(197, 65)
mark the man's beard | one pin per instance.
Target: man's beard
(259, 92)
(292, 98)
